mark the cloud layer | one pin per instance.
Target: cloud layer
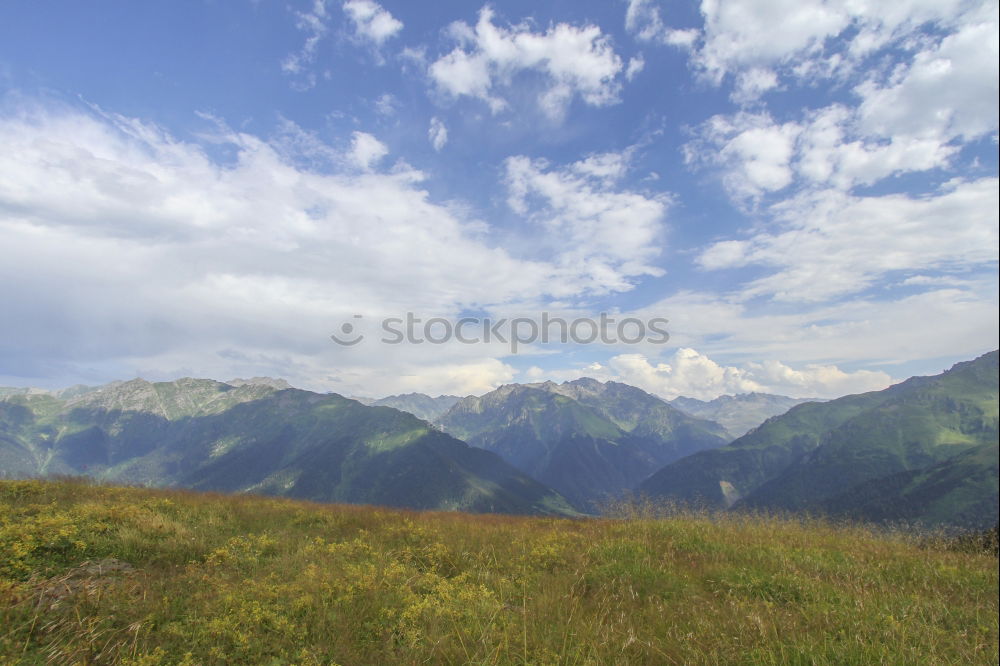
(126, 242)
(807, 190)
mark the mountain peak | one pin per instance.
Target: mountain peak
(276, 383)
(585, 381)
(880, 455)
(741, 412)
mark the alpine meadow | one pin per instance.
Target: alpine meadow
(350, 332)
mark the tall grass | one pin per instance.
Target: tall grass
(95, 574)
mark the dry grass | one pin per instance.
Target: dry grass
(211, 579)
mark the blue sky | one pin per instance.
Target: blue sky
(806, 189)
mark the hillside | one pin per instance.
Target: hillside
(586, 439)
(738, 414)
(254, 437)
(962, 491)
(818, 452)
(110, 575)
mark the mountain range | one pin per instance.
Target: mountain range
(923, 450)
(420, 405)
(256, 437)
(588, 440)
(741, 413)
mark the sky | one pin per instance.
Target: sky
(806, 190)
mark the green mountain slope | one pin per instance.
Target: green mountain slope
(588, 440)
(738, 414)
(818, 451)
(256, 438)
(721, 476)
(961, 491)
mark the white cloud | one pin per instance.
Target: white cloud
(128, 250)
(830, 243)
(822, 381)
(314, 22)
(960, 320)
(602, 234)
(755, 152)
(684, 39)
(690, 373)
(687, 373)
(371, 21)
(366, 150)
(838, 273)
(921, 90)
(572, 61)
(724, 254)
(608, 167)
(642, 18)
(828, 155)
(810, 37)
(949, 91)
(893, 130)
(635, 66)
(753, 83)
(474, 377)
(763, 32)
(386, 105)
(437, 134)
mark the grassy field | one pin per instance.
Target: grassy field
(93, 574)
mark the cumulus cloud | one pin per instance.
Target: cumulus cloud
(949, 91)
(571, 61)
(823, 381)
(690, 373)
(473, 377)
(635, 66)
(810, 38)
(917, 120)
(827, 147)
(437, 134)
(366, 150)
(831, 152)
(753, 83)
(596, 231)
(760, 33)
(371, 21)
(686, 373)
(755, 153)
(643, 19)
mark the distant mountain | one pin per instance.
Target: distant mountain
(254, 437)
(741, 413)
(261, 381)
(587, 439)
(420, 405)
(906, 451)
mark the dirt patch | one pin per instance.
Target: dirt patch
(90, 577)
